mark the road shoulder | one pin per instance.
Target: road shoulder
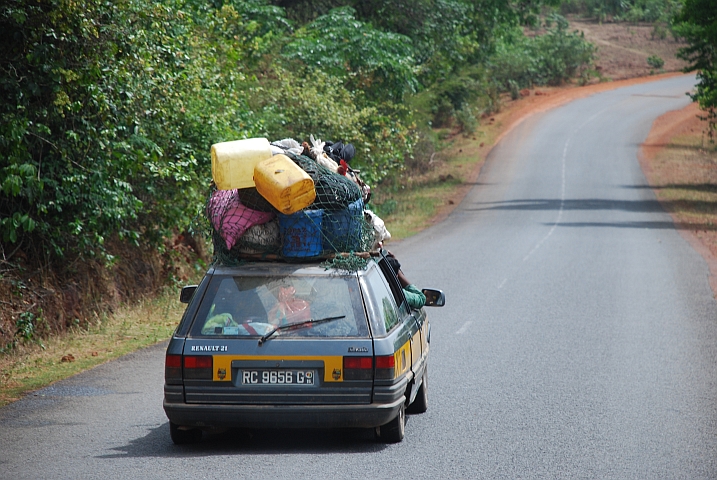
(679, 164)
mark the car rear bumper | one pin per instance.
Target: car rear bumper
(282, 416)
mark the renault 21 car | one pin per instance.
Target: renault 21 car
(272, 344)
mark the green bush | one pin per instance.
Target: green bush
(549, 59)
(467, 120)
(443, 112)
(442, 33)
(697, 24)
(299, 104)
(655, 61)
(378, 63)
(451, 96)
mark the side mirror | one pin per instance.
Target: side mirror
(434, 298)
(187, 293)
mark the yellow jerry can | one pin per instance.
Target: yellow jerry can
(284, 184)
(233, 162)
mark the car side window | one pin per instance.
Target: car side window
(383, 302)
(395, 286)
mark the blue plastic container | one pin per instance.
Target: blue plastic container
(301, 233)
(342, 229)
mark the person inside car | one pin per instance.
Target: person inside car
(415, 297)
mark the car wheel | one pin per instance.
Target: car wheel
(420, 403)
(394, 430)
(182, 437)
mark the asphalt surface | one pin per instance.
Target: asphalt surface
(579, 339)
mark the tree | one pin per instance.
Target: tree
(697, 23)
(376, 62)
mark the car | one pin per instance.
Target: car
(297, 345)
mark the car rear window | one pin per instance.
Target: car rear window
(247, 306)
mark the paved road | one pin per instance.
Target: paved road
(579, 341)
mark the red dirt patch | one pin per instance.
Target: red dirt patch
(623, 48)
(681, 170)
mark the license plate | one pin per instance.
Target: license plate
(277, 377)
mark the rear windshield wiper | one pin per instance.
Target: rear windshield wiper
(310, 321)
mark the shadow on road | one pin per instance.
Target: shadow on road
(157, 443)
(694, 187)
(595, 204)
(648, 225)
(538, 204)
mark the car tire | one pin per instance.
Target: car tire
(420, 403)
(393, 431)
(183, 437)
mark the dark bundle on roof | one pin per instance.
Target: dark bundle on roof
(338, 151)
(333, 192)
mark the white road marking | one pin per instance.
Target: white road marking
(562, 203)
(502, 283)
(463, 328)
(562, 186)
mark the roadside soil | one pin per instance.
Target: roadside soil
(623, 48)
(680, 164)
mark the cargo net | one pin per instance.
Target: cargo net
(335, 227)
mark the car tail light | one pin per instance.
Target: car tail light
(358, 368)
(173, 369)
(385, 367)
(198, 367)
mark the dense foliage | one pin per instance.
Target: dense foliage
(697, 23)
(110, 108)
(548, 59)
(364, 58)
(111, 105)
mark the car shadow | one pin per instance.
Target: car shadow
(157, 443)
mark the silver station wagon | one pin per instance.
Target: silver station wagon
(287, 345)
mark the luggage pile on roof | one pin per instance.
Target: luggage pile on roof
(290, 200)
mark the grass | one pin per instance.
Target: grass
(33, 365)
